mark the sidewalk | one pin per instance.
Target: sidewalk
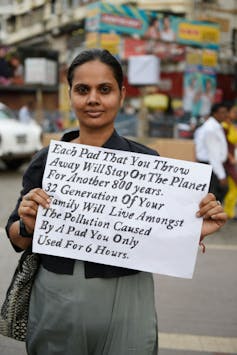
(8, 262)
(199, 316)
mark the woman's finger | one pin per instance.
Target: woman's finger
(38, 196)
(208, 198)
(212, 207)
(28, 208)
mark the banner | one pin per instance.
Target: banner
(199, 90)
(201, 57)
(107, 17)
(121, 208)
(92, 23)
(198, 33)
(162, 50)
(125, 19)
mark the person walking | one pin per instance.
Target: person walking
(25, 112)
(85, 308)
(5, 69)
(211, 148)
(231, 163)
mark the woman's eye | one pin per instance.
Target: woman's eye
(105, 89)
(82, 90)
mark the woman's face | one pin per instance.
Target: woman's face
(233, 113)
(95, 95)
(166, 23)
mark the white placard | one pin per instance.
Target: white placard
(122, 208)
(143, 70)
(40, 71)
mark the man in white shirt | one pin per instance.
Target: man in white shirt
(211, 148)
(25, 112)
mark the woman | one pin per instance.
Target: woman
(206, 99)
(153, 31)
(230, 166)
(167, 34)
(82, 308)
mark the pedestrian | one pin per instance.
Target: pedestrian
(231, 163)
(17, 70)
(82, 308)
(5, 69)
(211, 148)
(25, 112)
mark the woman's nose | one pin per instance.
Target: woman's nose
(93, 97)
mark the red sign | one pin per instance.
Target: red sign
(121, 21)
(162, 50)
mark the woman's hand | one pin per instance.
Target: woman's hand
(29, 206)
(213, 215)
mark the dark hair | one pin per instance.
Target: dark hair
(166, 17)
(215, 107)
(103, 56)
(230, 105)
(152, 21)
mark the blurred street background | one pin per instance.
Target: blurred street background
(179, 57)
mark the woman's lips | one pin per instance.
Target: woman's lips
(94, 114)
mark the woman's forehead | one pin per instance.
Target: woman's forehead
(93, 68)
(93, 73)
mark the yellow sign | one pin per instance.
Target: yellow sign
(204, 57)
(198, 33)
(109, 41)
(156, 101)
(194, 57)
(92, 39)
(209, 58)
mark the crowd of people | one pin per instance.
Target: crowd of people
(215, 143)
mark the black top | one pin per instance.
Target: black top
(33, 178)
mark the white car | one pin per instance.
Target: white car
(18, 141)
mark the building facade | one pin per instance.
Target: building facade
(48, 22)
(59, 25)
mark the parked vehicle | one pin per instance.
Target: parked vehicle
(18, 141)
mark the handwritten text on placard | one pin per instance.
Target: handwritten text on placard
(121, 208)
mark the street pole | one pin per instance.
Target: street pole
(39, 105)
(142, 130)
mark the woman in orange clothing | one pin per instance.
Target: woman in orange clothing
(231, 164)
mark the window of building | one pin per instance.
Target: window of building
(75, 3)
(38, 14)
(11, 24)
(26, 20)
(234, 41)
(53, 7)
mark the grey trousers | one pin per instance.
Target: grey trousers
(72, 315)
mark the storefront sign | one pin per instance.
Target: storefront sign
(109, 41)
(107, 17)
(162, 50)
(130, 20)
(202, 57)
(198, 33)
